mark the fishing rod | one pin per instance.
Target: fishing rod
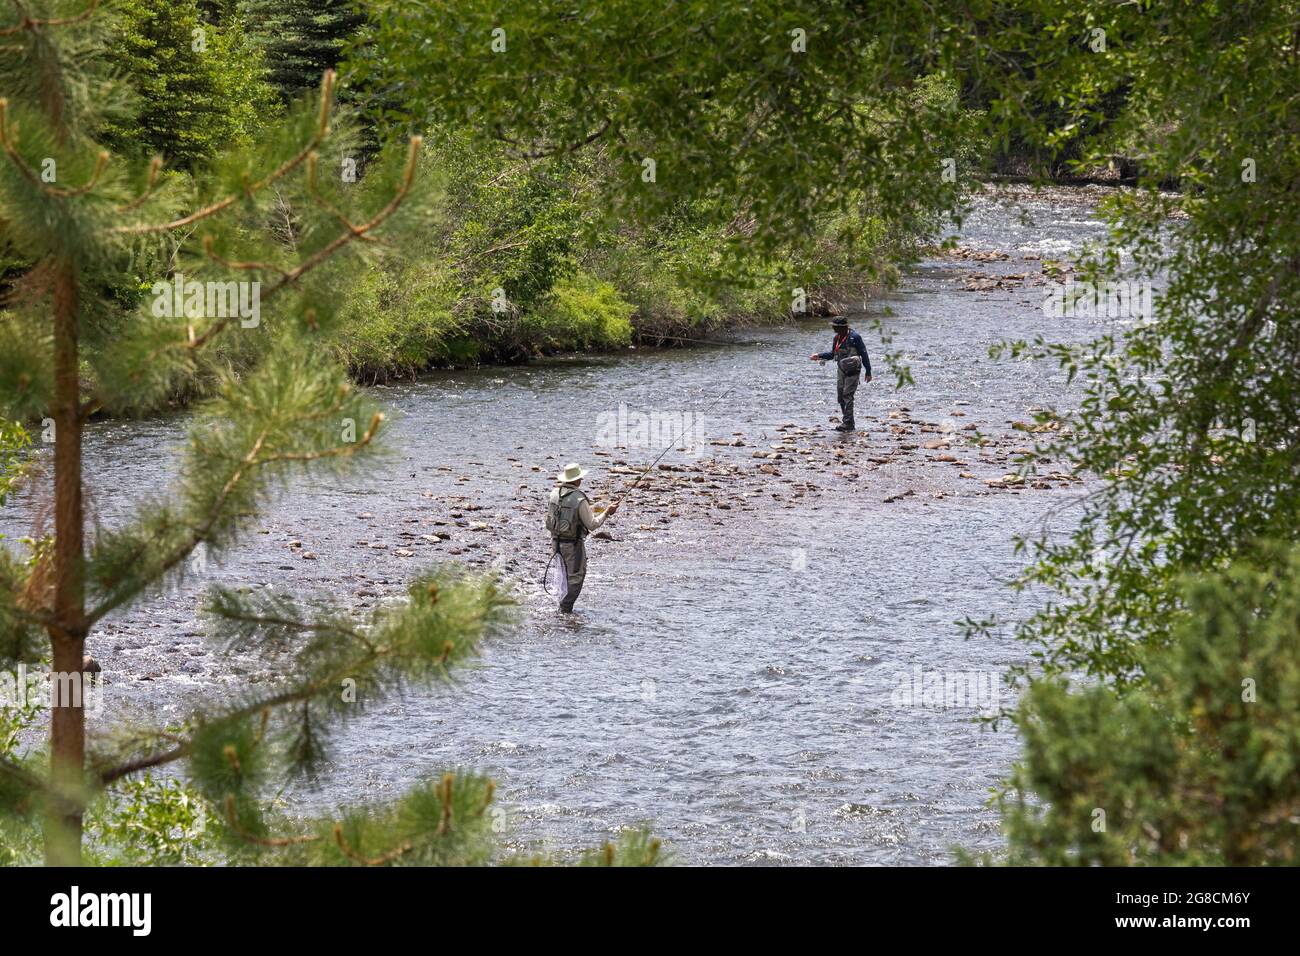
(667, 448)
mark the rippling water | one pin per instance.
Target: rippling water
(731, 678)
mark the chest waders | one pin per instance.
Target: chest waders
(569, 535)
(848, 366)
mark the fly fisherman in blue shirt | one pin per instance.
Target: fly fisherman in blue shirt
(850, 356)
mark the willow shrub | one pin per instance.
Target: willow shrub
(581, 312)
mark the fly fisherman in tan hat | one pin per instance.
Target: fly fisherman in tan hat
(569, 519)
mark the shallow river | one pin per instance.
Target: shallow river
(732, 677)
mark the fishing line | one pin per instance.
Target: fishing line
(627, 491)
(681, 338)
(667, 448)
(560, 576)
(673, 444)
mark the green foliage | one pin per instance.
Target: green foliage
(523, 230)
(1201, 766)
(400, 317)
(1019, 32)
(534, 230)
(633, 848)
(200, 84)
(581, 311)
(13, 440)
(1189, 421)
(140, 822)
(19, 842)
(722, 100)
(21, 709)
(152, 822)
(18, 709)
(669, 275)
(774, 170)
(447, 823)
(17, 638)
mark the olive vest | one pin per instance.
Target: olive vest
(562, 519)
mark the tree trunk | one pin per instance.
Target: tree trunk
(68, 626)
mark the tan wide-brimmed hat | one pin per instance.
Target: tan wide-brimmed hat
(572, 472)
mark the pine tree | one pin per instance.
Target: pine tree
(263, 227)
(300, 38)
(200, 85)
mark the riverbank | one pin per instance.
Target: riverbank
(673, 285)
(451, 304)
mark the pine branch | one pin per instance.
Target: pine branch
(34, 24)
(291, 276)
(355, 232)
(314, 193)
(441, 822)
(322, 130)
(11, 150)
(155, 167)
(306, 627)
(199, 533)
(308, 690)
(381, 860)
(143, 763)
(210, 251)
(232, 821)
(413, 641)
